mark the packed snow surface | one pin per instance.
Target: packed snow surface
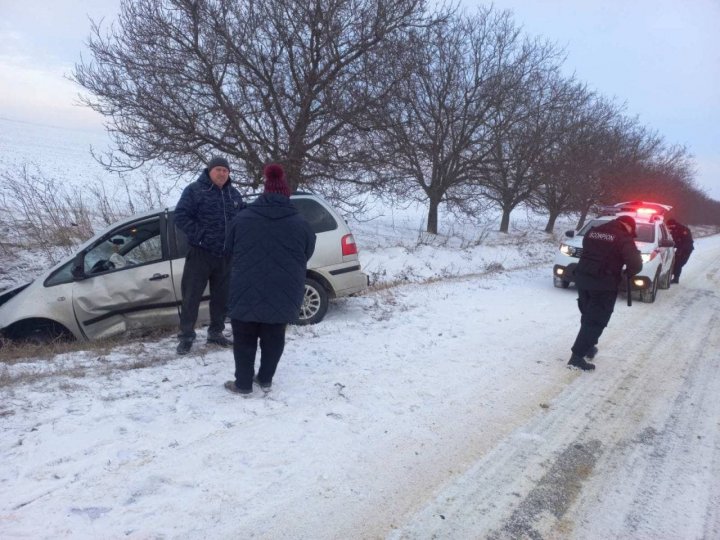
(439, 408)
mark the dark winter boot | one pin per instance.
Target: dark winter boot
(265, 386)
(230, 386)
(580, 363)
(219, 339)
(184, 347)
(592, 352)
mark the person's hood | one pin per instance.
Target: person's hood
(273, 206)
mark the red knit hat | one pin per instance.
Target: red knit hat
(275, 180)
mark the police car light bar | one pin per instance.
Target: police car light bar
(647, 210)
(644, 207)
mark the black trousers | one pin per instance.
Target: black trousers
(201, 268)
(681, 258)
(596, 308)
(245, 342)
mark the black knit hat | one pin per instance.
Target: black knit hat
(628, 220)
(275, 180)
(218, 161)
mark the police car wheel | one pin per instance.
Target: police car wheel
(665, 280)
(649, 294)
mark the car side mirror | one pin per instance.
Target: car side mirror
(667, 243)
(570, 234)
(78, 267)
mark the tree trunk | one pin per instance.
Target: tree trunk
(293, 170)
(432, 222)
(550, 227)
(583, 217)
(432, 216)
(505, 221)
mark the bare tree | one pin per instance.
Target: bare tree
(258, 80)
(431, 137)
(630, 150)
(524, 128)
(574, 163)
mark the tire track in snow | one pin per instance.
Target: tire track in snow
(627, 449)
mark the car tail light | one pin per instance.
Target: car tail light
(349, 247)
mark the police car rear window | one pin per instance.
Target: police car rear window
(645, 233)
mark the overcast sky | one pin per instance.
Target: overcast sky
(661, 57)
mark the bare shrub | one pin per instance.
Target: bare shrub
(41, 213)
(49, 216)
(129, 195)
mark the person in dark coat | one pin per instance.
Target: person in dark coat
(271, 245)
(204, 212)
(606, 249)
(684, 246)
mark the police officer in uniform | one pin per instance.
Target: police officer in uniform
(684, 246)
(606, 249)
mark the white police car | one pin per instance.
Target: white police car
(653, 240)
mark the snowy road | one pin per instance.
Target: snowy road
(631, 451)
(442, 410)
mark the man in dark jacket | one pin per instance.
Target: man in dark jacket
(684, 246)
(271, 245)
(204, 212)
(606, 249)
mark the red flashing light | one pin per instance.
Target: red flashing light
(647, 211)
(349, 247)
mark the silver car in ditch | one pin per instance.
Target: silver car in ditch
(128, 278)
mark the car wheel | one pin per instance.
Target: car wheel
(315, 303)
(39, 333)
(649, 294)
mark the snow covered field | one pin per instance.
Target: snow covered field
(437, 405)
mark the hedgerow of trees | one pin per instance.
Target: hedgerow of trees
(448, 108)
(445, 106)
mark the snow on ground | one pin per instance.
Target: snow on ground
(437, 405)
(438, 408)
(59, 152)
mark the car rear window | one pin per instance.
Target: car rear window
(645, 233)
(316, 215)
